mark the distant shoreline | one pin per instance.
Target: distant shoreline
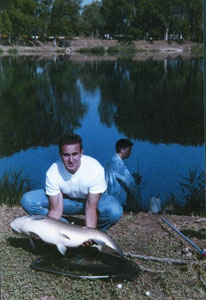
(159, 49)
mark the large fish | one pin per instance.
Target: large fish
(60, 233)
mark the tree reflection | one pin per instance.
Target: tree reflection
(155, 101)
(40, 100)
(159, 101)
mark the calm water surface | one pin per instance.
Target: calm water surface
(156, 104)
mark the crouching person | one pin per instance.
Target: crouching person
(75, 185)
(120, 182)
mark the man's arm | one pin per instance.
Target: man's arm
(56, 206)
(126, 179)
(91, 210)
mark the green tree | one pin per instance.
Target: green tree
(5, 23)
(65, 16)
(136, 30)
(151, 19)
(140, 19)
(172, 14)
(43, 12)
(91, 19)
(133, 19)
(183, 18)
(21, 16)
(194, 16)
(116, 14)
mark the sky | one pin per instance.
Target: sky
(84, 2)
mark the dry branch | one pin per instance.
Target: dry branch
(163, 259)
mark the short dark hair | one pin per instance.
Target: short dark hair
(122, 144)
(70, 139)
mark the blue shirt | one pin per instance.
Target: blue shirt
(119, 180)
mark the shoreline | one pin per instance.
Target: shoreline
(144, 49)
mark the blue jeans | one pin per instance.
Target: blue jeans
(109, 208)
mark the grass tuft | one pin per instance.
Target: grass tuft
(12, 187)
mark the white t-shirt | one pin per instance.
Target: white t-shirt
(89, 178)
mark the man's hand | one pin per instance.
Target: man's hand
(88, 243)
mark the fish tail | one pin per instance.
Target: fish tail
(112, 244)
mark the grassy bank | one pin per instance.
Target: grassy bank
(119, 49)
(142, 234)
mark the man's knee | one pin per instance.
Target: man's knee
(32, 199)
(25, 200)
(114, 209)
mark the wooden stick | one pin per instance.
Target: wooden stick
(150, 270)
(163, 259)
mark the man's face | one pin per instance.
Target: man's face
(126, 152)
(71, 157)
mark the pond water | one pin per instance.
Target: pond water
(156, 104)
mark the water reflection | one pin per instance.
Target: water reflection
(39, 101)
(159, 104)
(149, 101)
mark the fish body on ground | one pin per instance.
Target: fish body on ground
(62, 234)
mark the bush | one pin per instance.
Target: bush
(113, 50)
(192, 195)
(197, 50)
(13, 51)
(123, 48)
(95, 50)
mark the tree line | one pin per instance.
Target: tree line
(128, 19)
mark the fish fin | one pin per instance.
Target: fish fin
(32, 244)
(62, 249)
(99, 247)
(65, 235)
(38, 217)
(98, 242)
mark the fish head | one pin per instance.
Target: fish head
(16, 225)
